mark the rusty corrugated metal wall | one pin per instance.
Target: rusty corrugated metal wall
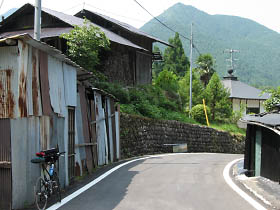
(8, 82)
(5, 165)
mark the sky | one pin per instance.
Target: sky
(265, 12)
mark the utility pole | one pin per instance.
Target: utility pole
(191, 43)
(37, 20)
(231, 59)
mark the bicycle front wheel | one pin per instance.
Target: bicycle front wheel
(41, 194)
(56, 186)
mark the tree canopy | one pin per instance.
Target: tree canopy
(174, 57)
(205, 67)
(84, 45)
(270, 103)
(217, 99)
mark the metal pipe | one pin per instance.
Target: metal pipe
(191, 42)
(37, 20)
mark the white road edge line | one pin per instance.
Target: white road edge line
(98, 179)
(245, 196)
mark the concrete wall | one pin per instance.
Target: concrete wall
(142, 136)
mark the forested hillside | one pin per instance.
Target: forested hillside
(258, 59)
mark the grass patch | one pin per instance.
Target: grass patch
(232, 128)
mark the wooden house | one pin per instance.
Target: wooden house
(129, 61)
(143, 59)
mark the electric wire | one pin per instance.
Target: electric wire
(167, 26)
(105, 11)
(1, 4)
(73, 7)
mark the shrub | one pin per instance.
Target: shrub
(198, 114)
(115, 89)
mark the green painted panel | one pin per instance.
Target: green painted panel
(258, 153)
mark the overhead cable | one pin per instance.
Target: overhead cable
(166, 25)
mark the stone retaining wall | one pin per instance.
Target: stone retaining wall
(143, 136)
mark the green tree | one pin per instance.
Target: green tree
(167, 80)
(197, 89)
(157, 65)
(205, 67)
(174, 57)
(217, 99)
(84, 45)
(270, 103)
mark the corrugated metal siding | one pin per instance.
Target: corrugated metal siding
(22, 82)
(80, 151)
(5, 165)
(112, 107)
(33, 83)
(25, 141)
(86, 132)
(102, 145)
(45, 88)
(93, 131)
(8, 82)
(56, 84)
(70, 84)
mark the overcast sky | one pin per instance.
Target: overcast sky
(265, 12)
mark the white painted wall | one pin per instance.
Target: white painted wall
(248, 103)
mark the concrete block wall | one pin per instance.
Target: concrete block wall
(142, 136)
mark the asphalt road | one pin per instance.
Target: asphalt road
(177, 182)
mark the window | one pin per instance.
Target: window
(250, 110)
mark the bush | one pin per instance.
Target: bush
(167, 80)
(198, 114)
(116, 90)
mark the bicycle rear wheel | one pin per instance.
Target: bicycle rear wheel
(56, 186)
(41, 194)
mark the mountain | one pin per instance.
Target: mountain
(9, 12)
(259, 56)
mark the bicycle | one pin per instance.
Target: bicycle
(49, 184)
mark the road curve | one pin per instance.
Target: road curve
(174, 182)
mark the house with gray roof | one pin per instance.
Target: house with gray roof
(241, 93)
(128, 62)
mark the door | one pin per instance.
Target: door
(5, 165)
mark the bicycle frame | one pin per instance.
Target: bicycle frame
(47, 184)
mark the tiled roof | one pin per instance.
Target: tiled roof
(241, 90)
(127, 27)
(71, 21)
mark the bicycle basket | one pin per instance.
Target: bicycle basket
(38, 160)
(51, 154)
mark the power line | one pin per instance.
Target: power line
(160, 20)
(115, 14)
(73, 7)
(1, 4)
(167, 26)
